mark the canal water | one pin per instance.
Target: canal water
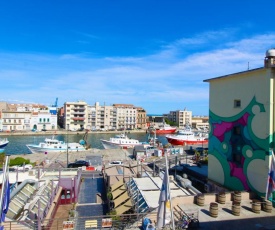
(17, 144)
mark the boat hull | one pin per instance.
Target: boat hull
(184, 142)
(111, 145)
(164, 131)
(39, 149)
(3, 143)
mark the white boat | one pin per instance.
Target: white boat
(54, 145)
(3, 143)
(186, 137)
(120, 141)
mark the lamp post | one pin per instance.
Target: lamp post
(67, 146)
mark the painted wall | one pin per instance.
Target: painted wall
(240, 138)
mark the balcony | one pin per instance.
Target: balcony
(78, 108)
(78, 118)
(78, 113)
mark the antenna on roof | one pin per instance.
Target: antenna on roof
(247, 65)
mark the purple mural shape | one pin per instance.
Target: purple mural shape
(219, 130)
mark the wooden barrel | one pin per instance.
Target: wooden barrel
(236, 208)
(256, 206)
(214, 209)
(267, 206)
(237, 196)
(200, 200)
(221, 198)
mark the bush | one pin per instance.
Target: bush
(2, 158)
(19, 161)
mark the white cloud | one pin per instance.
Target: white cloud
(168, 80)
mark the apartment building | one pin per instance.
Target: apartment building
(101, 117)
(182, 117)
(75, 115)
(126, 116)
(24, 117)
(141, 118)
(13, 120)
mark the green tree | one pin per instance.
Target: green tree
(172, 123)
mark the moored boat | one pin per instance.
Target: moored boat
(54, 145)
(186, 137)
(3, 143)
(120, 141)
(162, 129)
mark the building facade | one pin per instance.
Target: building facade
(242, 128)
(200, 122)
(126, 116)
(75, 115)
(16, 121)
(182, 117)
(25, 117)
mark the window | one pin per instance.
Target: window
(237, 103)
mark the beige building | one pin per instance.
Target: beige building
(13, 120)
(126, 116)
(200, 122)
(141, 118)
(101, 117)
(75, 115)
(242, 129)
(182, 117)
(116, 116)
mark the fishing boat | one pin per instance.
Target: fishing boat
(187, 137)
(162, 129)
(3, 143)
(54, 145)
(120, 141)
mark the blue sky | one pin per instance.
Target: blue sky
(153, 54)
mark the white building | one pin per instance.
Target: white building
(126, 116)
(43, 120)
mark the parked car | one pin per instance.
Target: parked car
(116, 163)
(21, 167)
(44, 130)
(79, 163)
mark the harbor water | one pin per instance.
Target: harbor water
(17, 144)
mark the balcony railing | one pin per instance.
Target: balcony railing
(78, 118)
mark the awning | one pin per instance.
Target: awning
(124, 208)
(118, 192)
(121, 199)
(117, 185)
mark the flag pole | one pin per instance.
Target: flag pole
(5, 170)
(271, 159)
(168, 187)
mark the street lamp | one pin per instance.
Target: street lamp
(67, 146)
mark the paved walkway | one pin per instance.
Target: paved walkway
(226, 220)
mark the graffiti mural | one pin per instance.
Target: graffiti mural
(239, 149)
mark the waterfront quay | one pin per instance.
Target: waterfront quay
(63, 132)
(59, 160)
